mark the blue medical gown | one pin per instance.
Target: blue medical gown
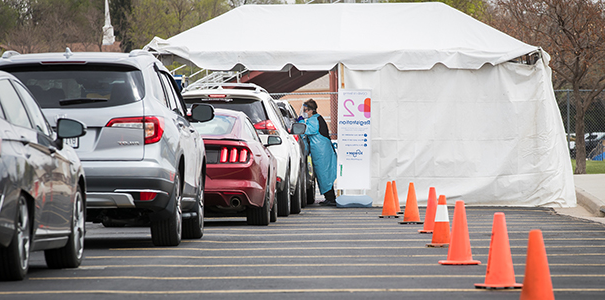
(322, 155)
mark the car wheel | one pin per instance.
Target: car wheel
(260, 215)
(193, 228)
(14, 259)
(296, 198)
(70, 256)
(311, 193)
(283, 199)
(168, 232)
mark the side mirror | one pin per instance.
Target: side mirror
(68, 128)
(202, 112)
(298, 128)
(273, 140)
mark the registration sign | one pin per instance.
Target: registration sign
(354, 140)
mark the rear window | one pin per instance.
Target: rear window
(77, 86)
(220, 125)
(254, 109)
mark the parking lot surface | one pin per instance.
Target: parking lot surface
(323, 253)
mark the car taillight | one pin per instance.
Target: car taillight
(146, 196)
(296, 137)
(234, 155)
(153, 126)
(266, 127)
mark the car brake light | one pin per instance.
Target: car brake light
(243, 156)
(234, 155)
(266, 127)
(217, 96)
(153, 126)
(146, 196)
(224, 155)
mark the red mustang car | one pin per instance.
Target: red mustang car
(240, 170)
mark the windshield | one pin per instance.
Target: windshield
(252, 108)
(89, 87)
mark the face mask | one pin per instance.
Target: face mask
(305, 115)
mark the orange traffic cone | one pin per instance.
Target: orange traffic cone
(441, 231)
(388, 207)
(411, 215)
(500, 273)
(459, 252)
(429, 216)
(396, 197)
(537, 284)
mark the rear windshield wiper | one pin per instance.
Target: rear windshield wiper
(81, 101)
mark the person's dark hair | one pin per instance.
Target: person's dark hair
(311, 104)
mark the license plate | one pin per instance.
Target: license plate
(73, 142)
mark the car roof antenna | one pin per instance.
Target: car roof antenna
(68, 53)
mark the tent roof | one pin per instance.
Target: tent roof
(411, 36)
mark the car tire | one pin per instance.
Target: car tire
(311, 193)
(273, 216)
(70, 255)
(303, 186)
(283, 199)
(193, 228)
(296, 199)
(260, 215)
(168, 232)
(14, 259)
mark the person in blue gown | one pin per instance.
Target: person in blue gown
(323, 154)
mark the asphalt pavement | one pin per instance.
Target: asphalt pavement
(322, 253)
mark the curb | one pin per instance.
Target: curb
(594, 205)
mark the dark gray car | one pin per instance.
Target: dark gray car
(145, 163)
(41, 185)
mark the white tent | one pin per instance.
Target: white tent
(452, 105)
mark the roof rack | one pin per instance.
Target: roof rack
(9, 53)
(219, 86)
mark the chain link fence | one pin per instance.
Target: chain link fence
(594, 123)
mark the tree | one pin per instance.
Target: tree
(573, 33)
(477, 9)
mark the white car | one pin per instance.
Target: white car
(256, 102)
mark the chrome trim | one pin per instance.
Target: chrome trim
(141, 191)
(109, 200)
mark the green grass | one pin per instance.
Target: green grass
(592, 166)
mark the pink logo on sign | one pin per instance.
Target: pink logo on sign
(365, 108)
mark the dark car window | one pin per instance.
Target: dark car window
(173, 99)
(12, 105)
(250, 132)
(89, 86)
(34, 111)
(252, 108)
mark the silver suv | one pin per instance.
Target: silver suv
(144, 162)
(255, 102)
